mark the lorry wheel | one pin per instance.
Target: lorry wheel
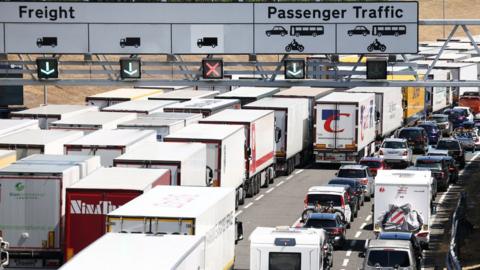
(250, 189)
(267, 181)
(269, 176)
(237, 200)
(259, 183)
(241, 198)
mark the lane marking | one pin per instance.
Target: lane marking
(270, 190)
(345, 262)
(353, 243)
(358, 234)
(368, 218)
(363, 225)
(290, 177)
(248, 205)
(259, 197)
(299, 171)
(238, 213)
(280, 183)
(349, 252)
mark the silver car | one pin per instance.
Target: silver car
(362, 174)
(390, 254)
(396, 151)
(443, 123)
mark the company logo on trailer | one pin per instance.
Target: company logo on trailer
(101, 208)
(332, 115)
(19, 187)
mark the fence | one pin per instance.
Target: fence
(459, 232)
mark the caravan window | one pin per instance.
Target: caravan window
(284, 261)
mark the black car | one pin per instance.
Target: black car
(454, 148)
(457, 117)
(452, 168)
(352, 198)
(416, 137)
(277, 30)
(332, 223)
(356, 189)
(439, 168)
(359, 30)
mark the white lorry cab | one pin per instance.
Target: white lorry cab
(403, 202)
(290, 248)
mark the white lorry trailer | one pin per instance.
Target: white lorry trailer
(290, 248)
(29, 142)
(403, 202)
(460, 72)
(142, 107)
(110, 98)
(33, 204)
(345, 127)
(161, 126)
(9, 126)
(92, 121)
(249, 94)
(388, 109)
(86, 164)
(439, 97)
(291, 116)
(205, 106)
(200, 211)
(50, 113)
(184, 95)
(225, 153)
(187, 118)
(187, 162)
(259, 130)
(109, 144)
(123, 251)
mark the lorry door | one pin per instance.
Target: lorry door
(30, 211)
(280, 133)
(336, 125)
(213, 163)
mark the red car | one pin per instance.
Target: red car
(374, 164)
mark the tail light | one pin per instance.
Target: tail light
(51, 239)
(452, 169)
(342, 202)
(442, 174)
(70, 252)
(364, 181)
(422, 235)
(336, 231)
(405, 153)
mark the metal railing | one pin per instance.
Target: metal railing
(459, 232)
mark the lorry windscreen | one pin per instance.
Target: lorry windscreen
(284, 261)
(351, 173)
(324, 199)
(388, 258)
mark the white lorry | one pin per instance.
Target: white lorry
(110, 98)
(200, 211)
(403, 202)
(290, 248)
(225, 153)
(388, 109)
(187, 162)
(142, 107)
(184, 95)
(205, 106)
(92, 121)
(123, 251)
(439, 97)
(161, 126)
(29, 142)
(50, 113)
(291, 116)
(460, 71)
(9, 126)
(109, 144)
(33, 204)
(86, 164)
(259, 130)
(249, 94)
(345, 127)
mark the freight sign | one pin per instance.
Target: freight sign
(209, 28)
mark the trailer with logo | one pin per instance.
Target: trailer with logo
(86, 164)
(141, 107)
(33, 204)
(161, 126)
(9, 126)
(249, 94)
(184, 95)
(187, 162)
(345, 127)
(205, 106)
(291, 116)
(259, 147)
(200, 211)
(112, 97)
(109, 144)
(91, 199)
(225, 153)
(29, 142)
(92, 121)
(51, 113)
(111, 251)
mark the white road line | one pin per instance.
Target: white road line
(280, 183)
(290, 177)
(259, 197)
(353, 243)
(368, 218)
(349, 253)
(270, 190)
(248, 205)
(345, 262)
(238, 213)
(358, 234)
(299, 171)
(363, 225)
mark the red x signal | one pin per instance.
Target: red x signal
(212, 68)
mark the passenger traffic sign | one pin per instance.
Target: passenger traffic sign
(130, 68)
(47, 68)
(212, 68)
(294, 69)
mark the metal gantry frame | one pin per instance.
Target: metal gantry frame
(104, 71)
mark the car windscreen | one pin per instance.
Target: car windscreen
(429, 164)
(324, 199)
(371, 164)
(409, 133)
(394, 145)
(388, 258)
(448, 145)
(320, 223)
(428, 128)
(341, 182)
(440, 119)
(284, 261)
(351, 173)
